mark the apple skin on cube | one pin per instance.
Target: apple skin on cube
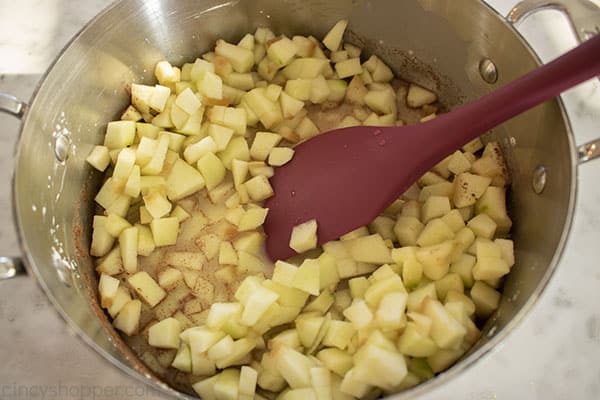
(165, 334)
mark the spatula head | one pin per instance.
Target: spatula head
(343, 179)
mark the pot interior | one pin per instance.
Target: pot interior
(429, 42)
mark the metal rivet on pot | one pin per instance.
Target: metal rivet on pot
(540, 174)
(62, 147)
(488, 70)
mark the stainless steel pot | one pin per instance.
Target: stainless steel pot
(461, 49)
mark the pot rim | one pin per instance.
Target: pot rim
(461, 366)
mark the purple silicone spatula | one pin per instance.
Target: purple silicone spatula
(346, 177)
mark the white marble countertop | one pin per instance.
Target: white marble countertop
(553, 355)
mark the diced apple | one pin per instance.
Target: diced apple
(446, 332)
(259, 188)
(333, 39)
(359, 314)
(381, 101)
(434, 207)
(369, 249)
(129, 317)
(156, 163)
(252, 219)
(299, 90)
(262, 145)
(237, 149)
(408, 230)
(119, 134)
(282, 51)
(436, 231)
(108, 290)
(212, 170)
(418, 96)
(159, 97)
(121, 298)
(305, 68)
(128, 242)
(165, 334)
(240, 58)
(280, 156)
(319, 92)
(164, 231)
(257, 304)
(348, 68)
(293, 366)
(307, 277)
(99, 157)
(483, 226)
(469, 188)
(414, 343)
(188, 101)
(304, 236)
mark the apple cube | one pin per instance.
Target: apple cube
(165, 334)
(333, 38)
(108, 289)
(131, 114)
(436, 231)
(469, 188)
(408, 230)
(121, 298)
(507, 250)
(493, 203)
(359, 314)
(156, 163)
(183, 359)
(169, 278)
(183, 180)
(257, 304)
(298, 90)
(99, 157)
(102, 240)
(227, 254)
(390, 313)
(304, 236)
(119, 134)
(240, 58)
(486, 299)
(128, 243)
(417, 296)
(110, 263)
(262, 145)
(307, 277)
(212, 170)
(252, 219)
(197, 150)
(434, 207)
(237, 149)
(446, 332)
(308, 327)
(336, 360)
(210, 85)
(414, 343)
(282, 51)
(418, 96)
(259, 188)
(305, 68)
(369, 249)
(157, 204)
(348, 68)
(293, 366)
(164, 231)
(483, 226)
(128, 319)
(381, 101)
(159, 97)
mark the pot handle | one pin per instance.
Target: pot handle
(11, 266)
(584, 18)
(12, 105)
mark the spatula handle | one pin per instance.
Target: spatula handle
(544, 83)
